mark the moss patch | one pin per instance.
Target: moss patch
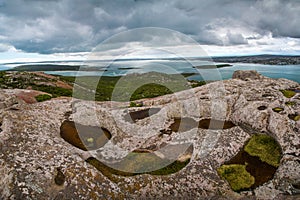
(237, 176)
(288, 93)
(294, 117)
(261, 171)
(266, 148)
(255, 166)
(278, 109)
(43, 97)
(290, 103)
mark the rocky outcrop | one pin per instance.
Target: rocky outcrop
(37, 163)
(246, 75)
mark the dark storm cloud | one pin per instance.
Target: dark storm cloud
(78, 25)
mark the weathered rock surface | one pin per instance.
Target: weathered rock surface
(246, 75)
(36, 163)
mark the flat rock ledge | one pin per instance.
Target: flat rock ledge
(36, 163)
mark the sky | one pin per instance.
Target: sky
(35, 30)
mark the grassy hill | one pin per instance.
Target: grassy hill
(129, 88)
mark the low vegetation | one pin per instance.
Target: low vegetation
(27, 80)
(100, 88)
(295, 117)
(150, 91)
(237, 176)
(135, 104)
(288, 93)
(43, 97)
(54, 91)
(266, 148)
(107, 88)
(278, 109)
(290, 103)
(253, 165)
(194, 83)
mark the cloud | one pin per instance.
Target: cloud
(236, 38)
(59, 26)
(5, 47)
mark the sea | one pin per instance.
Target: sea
(197, 69)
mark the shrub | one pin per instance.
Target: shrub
(266, 148)
(43, 97)
(237, 176)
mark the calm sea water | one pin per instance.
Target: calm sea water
(291, 72)
(118, 68)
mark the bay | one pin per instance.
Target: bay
(179, 66)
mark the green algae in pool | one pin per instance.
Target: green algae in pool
(130, 163)
(260, 170)
(142, 163)
(84, 137)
